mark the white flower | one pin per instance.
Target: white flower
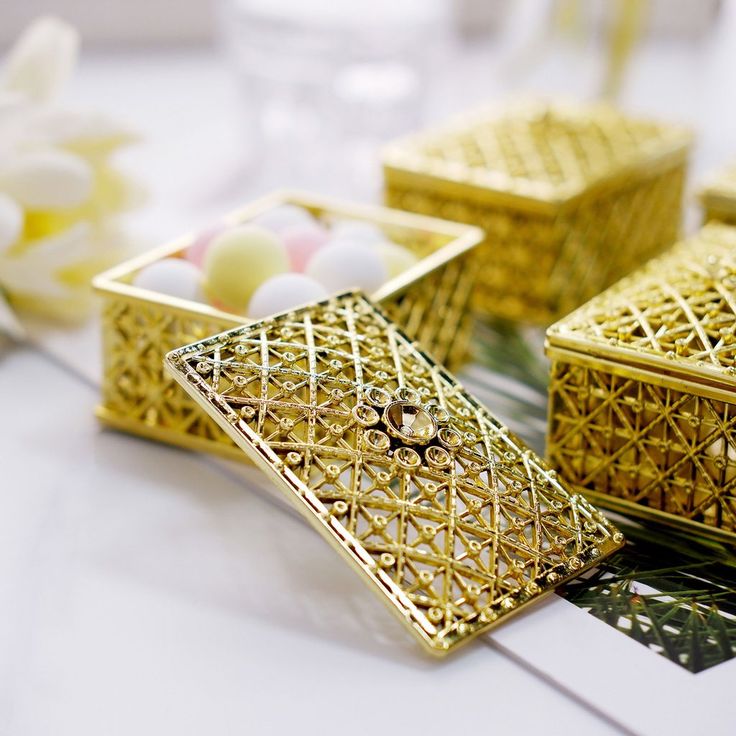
(60, 196)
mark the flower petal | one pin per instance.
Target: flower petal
(49, 179)
(35, 271)
(91, 135)
(9, 324)
(42, 59)
(11, 222)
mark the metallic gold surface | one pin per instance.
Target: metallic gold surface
(430, 300)
(456, 529)
(718, 197)
(642, 407)
(571, 198)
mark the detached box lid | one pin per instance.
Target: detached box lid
(444, 513)
(675, 318)
(535, 156)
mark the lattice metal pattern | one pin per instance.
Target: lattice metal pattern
(433, 501)
(565, 258)
(546, 144)
(656, 448)
(139, 397)
(681, 308)
(656, 428)
(436, 310)
(573, 199)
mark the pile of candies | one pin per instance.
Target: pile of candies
(282, 258)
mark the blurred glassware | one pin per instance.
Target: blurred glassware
(324, 83)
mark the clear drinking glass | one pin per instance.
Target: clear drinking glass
(325, 83)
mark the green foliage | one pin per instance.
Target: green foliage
(670, 592)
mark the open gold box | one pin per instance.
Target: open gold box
(642, 402)
(430, 301)
(571, 198)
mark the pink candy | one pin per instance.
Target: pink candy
(302, 242)
(195, 252)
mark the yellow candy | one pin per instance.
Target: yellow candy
(396, 258)
(239, 260)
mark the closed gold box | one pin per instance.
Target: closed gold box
(718, 197)
(572, 198)
(430, 301)
(642, 402)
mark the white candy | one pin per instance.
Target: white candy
(47, 180)
(342, 265)
(174, 277)
(282, 292)
(357, 231)
(11, 222)
(282, 217)
(397, 258)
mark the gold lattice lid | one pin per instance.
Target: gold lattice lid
(538, 154)
(445, 514)
(676, 315)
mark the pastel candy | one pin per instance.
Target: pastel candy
(11, 222)
(282, 292)
(239, 260)
(302, 242)
(172, 276)
(396, 258)
(357, 231)
(47, 180)
(339, 266)
(195, 252)
(283, 217)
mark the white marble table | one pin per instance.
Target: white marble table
(147, 590)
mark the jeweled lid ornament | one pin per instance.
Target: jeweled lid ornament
(409, 422)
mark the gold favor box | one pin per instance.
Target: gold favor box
(430, 301)
(642, 403)
(718, 197)
(571, 198)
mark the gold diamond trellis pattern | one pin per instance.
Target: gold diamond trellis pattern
(544, 145)
(572, 199)
(656, 449)
(641, 412)
(451, 519)
(678, 311)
